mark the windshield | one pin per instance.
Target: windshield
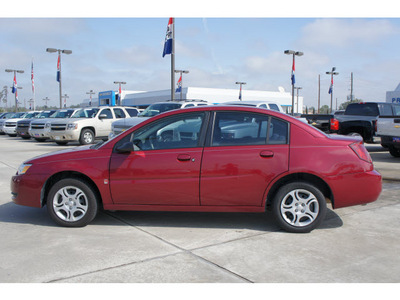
(30, 115)
(45, 114)
(86, 113)
(64, 113)
(18, 115)
(159, 108)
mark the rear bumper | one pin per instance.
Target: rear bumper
(355, 189)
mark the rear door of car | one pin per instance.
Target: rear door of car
(243, 154)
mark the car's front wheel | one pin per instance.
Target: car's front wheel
(299, 207)
(87, 137)
(72, 203)
(394, 151)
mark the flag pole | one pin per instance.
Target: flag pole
(173, 61)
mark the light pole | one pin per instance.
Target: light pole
(14, 87)
(180, 81)
(119, 90)
(90, 93)
(331, 87)
(240, 90)
(52, 50)
(297, 90)
(294, 53)
(46, 100)
(65, 100)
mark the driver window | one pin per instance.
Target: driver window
(180, 131)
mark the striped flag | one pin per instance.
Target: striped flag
(179, 84)
(58, 68)
(15, 87)
(32, 79)
(240, 93)
(293, 69)
(331, 86)
(168, 38)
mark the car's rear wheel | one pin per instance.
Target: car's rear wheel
(72, 203)
(394, 151)
(299, 207)
(87, 137)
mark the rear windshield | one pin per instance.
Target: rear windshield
(362, 109)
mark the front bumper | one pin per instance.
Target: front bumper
(26, 189)
(39, 133)
(67, 135)
(10, 130)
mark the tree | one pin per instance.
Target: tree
(324, 109)
(344, 104)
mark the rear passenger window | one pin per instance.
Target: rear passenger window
(119, 113)
(273, 107)
(240, 129)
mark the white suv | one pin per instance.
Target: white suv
(153, 110)
(88, 124)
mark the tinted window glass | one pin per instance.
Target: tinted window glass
(278, 132)
(119, 113)
(364, 109)
(396, 110)
(239, 128)
(132, 112)
(181, 131)
(107, 112)
(385, 109)
(273, 107)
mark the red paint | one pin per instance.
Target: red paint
(206, 178)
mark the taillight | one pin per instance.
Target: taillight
(334, 124)
(361, 151)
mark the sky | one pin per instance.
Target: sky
(217, 46)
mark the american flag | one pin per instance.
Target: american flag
(293, 69)
(33, 81)
(58, 68)
(168, 38)
(179, 84)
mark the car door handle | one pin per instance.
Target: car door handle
(183, 157)
(266, 153)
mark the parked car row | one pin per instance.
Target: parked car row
(65, 125)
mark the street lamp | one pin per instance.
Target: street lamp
(46, 100)
(294, 53)
(119, 90)
(180, 81)
(240, 91)
(52, 50)
(297, 89)
(14, 87)
(90, 93)
(65, 100)
(331, 86)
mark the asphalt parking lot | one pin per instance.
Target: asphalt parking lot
(356, 244)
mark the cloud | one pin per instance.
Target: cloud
(346, 32)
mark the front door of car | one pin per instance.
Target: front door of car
(105, 120)
(164, 167)
(245, 153)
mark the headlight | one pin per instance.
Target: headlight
(23, 168)
(72, 126)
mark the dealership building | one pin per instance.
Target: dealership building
(393, 96)
(211, 95)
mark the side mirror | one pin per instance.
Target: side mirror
(125, 148)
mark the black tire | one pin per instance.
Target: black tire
(394, 152)
(25, 137)
(12, 135)
(299, 207)
(87, 137)
(40, 140)
(72, 203)
(61, 143)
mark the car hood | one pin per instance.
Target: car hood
(40, 121)
(68, 120)
(61, 154)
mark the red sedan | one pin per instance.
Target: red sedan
(214, 159)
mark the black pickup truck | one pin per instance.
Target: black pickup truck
(320, 121)
(360, 119)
